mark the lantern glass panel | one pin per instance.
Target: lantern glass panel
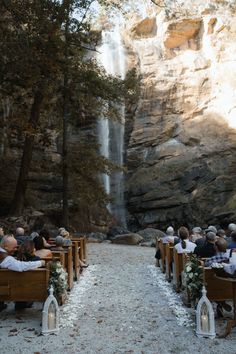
(52, 316)
(205, 320)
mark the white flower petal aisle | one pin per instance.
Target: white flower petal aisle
(70, 311)
(173, 299)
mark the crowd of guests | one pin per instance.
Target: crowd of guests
(20, 252)
(212, 244)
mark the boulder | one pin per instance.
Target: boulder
(128, 239)
(116, 230)
(150, 235)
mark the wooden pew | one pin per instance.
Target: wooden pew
(82, 244)
(30, 286)
(217, 289)
(163, 256)
(158, 240)
(168, 260)
(177, 268)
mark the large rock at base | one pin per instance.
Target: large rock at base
(150, 235)
(128, 239)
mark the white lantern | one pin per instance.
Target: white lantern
(205, 317)
(50, 321)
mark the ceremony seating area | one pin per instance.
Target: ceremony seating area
(32, 285)
(172, 265)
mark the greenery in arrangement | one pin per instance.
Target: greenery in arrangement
(58, 279)
(193, 276)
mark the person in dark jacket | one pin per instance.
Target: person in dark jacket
(207, 249)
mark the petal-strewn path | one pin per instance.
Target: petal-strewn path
(120, 305)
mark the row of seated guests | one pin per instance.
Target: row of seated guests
(203, 244)
(212, 245)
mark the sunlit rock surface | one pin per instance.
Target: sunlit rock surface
(181, 146)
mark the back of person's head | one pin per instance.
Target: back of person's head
(211, 228)
(232, 227)
(221, 245)
(197, 230)
(59, 241)
(220, 233)
(170, 231)
(33, 235)
(65, 234)
(60, 230)
(233, 236)
(45, 234)
(38, 243)
(20, 231)
(183, 235)
(211, 236)
(26, 250)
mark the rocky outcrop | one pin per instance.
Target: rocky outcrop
(127, 239)
(181, 149)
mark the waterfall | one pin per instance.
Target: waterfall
(111, 134)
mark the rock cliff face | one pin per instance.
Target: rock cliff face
(181, 149)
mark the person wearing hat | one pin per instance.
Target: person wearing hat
(207, 249)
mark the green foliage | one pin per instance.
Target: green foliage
(193, 275)
(57, 279)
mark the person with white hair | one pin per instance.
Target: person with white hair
(20, 236)
(170, 238)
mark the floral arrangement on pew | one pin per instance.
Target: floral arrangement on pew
(58, 280)
(193, 276)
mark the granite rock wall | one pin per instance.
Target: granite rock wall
(182, 140)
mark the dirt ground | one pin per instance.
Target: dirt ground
(120, 305)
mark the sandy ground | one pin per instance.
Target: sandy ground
(120, 305)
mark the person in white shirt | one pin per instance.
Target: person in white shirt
(184, 246)
(7, 248)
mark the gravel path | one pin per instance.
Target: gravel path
(121, 305)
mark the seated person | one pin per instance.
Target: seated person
(184, 245)
(46, 236)
(26, 252)
(59, 243)
(170, 238)
(207, 249)
(8, 247)
(1, 232)
(20, 235)
(221, 233)
(232, 243)
(66, 235)
(40, 250)
(221, 255)
(196, 234)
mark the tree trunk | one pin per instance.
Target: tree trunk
(65, 172)
(17, 204)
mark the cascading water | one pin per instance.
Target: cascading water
(111, 134)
